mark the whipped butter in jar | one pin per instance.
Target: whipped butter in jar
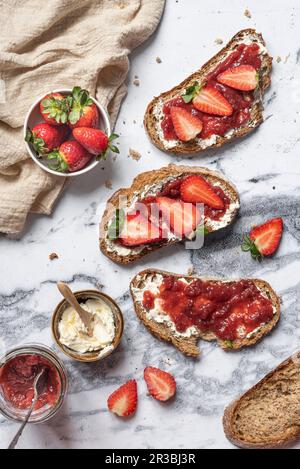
(71, 334)
(74, 335)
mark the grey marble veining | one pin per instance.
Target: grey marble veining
(265, 168)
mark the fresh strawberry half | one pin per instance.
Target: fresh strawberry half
(70, 157)
(84, 112)
(46, 138)
(161, 385)
(196, 190)
(182, 218)
(264, 239)
(244, 78)
(138, 230)
(55, 108)
(123, 401)
(186, 126)
(95, 141)
(211, 101)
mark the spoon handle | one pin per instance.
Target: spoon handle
(71, 299)
(20, 431)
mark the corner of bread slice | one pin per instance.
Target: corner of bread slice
(154, 112)
(267, 415)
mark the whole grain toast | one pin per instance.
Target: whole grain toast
(153, 115)
(188, 345)
(145, 181)
(268, 414)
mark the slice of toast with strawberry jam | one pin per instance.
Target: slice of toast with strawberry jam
(220, 102)
(164, 207)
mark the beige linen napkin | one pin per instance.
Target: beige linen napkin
(58, 44)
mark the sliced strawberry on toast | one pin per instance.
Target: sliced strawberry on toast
(244, 78)
(186, 126)
(264, 239)
(182, 218)
(195, 189)
(123, 401)
(138, 230)
(211, 101)
(161, 385)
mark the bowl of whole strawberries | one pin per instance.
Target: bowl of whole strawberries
(67, 132)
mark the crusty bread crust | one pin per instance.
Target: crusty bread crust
(151, 178)
(284, 378)
(256, 117)
(188, 345)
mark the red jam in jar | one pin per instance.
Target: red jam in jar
(241, 101)
(17, 379)
(230, 310)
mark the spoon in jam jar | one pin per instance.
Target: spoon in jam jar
(39, 387)
(84, 315)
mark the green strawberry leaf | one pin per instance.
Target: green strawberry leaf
(191, 92)
(76, 92)
(28, 136)
(74, 116)
(113, 137)
(113, 148)
(228, 343)
(201, 230)
(116, 226)
(249, 245)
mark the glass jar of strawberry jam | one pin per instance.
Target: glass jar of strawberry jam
(18, 369)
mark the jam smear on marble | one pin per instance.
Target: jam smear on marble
(230, 310)
(241, 101)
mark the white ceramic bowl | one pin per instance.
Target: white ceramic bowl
(34, 117)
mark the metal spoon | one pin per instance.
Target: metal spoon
(39, 387)
(86, 317)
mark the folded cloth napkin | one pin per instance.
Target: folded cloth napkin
(58, 44)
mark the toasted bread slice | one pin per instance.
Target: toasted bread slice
(188, 344)
(268, 414)
(154, 115)
(144, 184)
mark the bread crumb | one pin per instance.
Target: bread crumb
(136, 82)
(191, 270)
(286, 58)
(278, 59)
(135, 155)
(134, 121)
(158, 60)
(53, 256)
(219, 41)
(247, 13)
(99, 285)
(108, 184)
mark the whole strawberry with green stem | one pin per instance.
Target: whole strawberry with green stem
(55, 108)
(84, 112)
(95, 141)
(264, 239)
(70, 157)
(45, 137)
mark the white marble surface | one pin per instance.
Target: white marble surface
(265, 167)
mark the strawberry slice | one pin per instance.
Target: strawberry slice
(186, 126)
(195, 189)
(181, 217)
(244, 78)
(161, 385)
(211, 101)
(123, 401)
(138, 230)
(264, 239)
